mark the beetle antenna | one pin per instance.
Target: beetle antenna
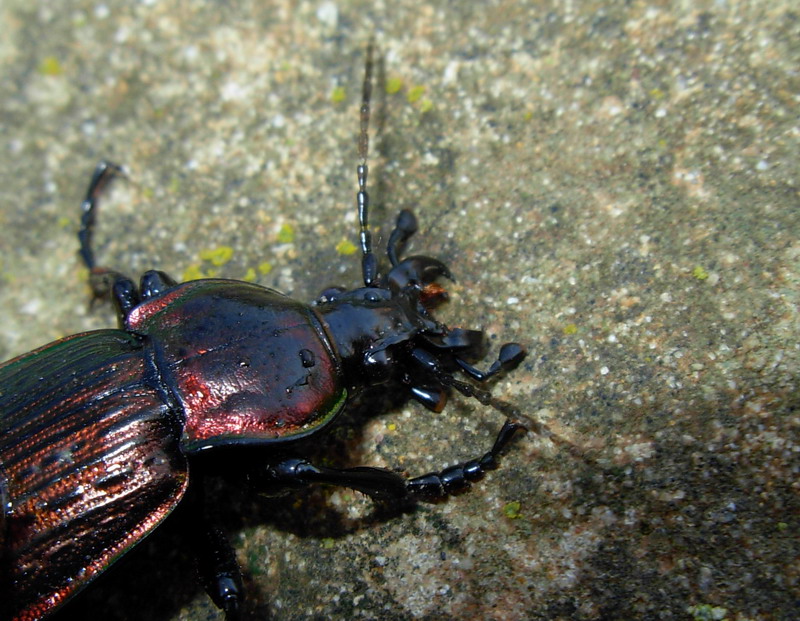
(509, 358)
(513, 415)
(369, 264)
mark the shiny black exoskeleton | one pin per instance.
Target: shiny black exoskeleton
(99, 431)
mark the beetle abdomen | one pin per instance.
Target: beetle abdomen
(90, 464)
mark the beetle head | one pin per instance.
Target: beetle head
(386, 333)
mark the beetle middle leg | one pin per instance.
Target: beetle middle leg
(217, 566)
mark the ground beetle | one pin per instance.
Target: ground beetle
(98, 430)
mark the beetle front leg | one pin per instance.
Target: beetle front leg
(296, 473)
(455, 479)
(381, 484)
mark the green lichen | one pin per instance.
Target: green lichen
(50, 66)
(700, 273)
(264, 268)
(255, 562)
(217, 256)
(415, 93)
(286, 234)
(570, 329)
(393, 85)
(250, 275)
(193, 272)
(512, 510)
(345, 248)
(338, 94)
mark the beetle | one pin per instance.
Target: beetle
(99, 430)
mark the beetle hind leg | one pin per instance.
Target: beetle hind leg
(103, 175)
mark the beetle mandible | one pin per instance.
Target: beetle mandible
(98, 430)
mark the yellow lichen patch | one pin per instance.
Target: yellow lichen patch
(217, 256)
(50, 66)
(415, 93)
(512, 510)
(286, 234)
(345, 247)
(338, 94)
(393, 85)
(193, 272)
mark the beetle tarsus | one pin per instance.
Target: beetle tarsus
(456, 479)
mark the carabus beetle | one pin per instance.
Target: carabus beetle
(99, 431)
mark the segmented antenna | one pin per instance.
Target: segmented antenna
(369, 264)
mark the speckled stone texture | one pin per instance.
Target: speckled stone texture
(613, 184)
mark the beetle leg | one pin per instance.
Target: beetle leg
(383, 484)
(219, 571)
(455, 479)
(103, 282)
(405, 227)
(102, 176)
(216, 561)
(378, 483)
(511, 354)
(154, 283)
(432, 397)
